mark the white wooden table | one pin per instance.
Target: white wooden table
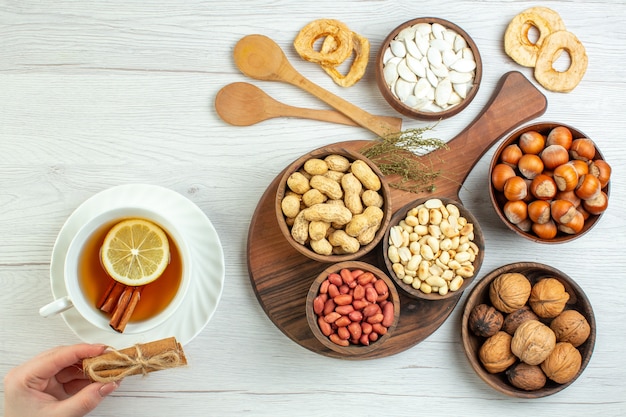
(97, 94)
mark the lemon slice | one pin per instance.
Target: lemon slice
(135, 252)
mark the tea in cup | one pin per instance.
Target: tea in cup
(88, 284)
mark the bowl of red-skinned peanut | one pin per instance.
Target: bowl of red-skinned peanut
(352, 308)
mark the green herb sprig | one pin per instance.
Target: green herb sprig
(396, 154)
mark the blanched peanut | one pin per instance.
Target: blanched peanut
(347, 318)
(441, 255)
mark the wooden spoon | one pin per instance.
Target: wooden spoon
(259, 57)
(243, 104)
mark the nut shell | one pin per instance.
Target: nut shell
(485, 321)
(509, 292)
(495, 353)
(571, 326)
(512, 321)
(526, 377)
(563, 363)
(548, 298)
(532, 342)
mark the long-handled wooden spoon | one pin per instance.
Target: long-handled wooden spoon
(244, 104)
(259, 57)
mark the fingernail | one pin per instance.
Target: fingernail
(107, 388)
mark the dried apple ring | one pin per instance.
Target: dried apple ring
(561, 81)
(518, 46)
(317, 29)
(361, 47)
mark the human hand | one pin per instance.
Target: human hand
(52, 384)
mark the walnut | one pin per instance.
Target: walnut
(485, 321)
(563, 364)
(495, 354)
(526, 377)
(571, 326)
(513, 320)
(532, 342)
(548, 297)
(509, 292)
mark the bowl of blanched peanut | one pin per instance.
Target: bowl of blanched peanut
(333, 205)
(433, 248)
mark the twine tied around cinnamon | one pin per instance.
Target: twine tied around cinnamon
(115, 365)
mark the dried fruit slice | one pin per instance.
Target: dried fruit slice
(135, 252)
(321, 28)
(561, 81)
(361, 46)
(518, 46)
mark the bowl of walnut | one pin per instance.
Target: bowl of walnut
(528, 330)
(333, 205)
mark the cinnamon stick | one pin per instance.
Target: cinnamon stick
(111, 296)
(124, 308)
(114, 365)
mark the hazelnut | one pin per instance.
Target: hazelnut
(548, 298)
(513, 320)
(570, 326)
(526, 377)
(563, 363)
(495, 354)
(485, 321)
(509, 292)
(532, 342)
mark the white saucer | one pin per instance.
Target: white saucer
(208, 272)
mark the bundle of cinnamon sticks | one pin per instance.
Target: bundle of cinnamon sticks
(120, 300)
(114, 365)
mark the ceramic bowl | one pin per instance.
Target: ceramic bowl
(499, 200)
(321, 290)
(534, 272)
(401, 278)
(414, 106)
(283, 190)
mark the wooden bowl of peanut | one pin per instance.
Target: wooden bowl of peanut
(433, 248)
(333, 205)
(352, 308)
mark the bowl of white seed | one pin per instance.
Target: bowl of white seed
(434, 248)
(428, 68)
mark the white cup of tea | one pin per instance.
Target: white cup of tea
(86, 280)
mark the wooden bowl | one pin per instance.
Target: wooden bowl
(534, 272)
(408, 289)
(305, 249)
(353, 351)
(498, 200)
(407, 110)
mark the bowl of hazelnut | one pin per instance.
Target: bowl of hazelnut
(433, 248)
(549, 183)
(528, 330)
(428, 68)
(333, 205)
(352, 308)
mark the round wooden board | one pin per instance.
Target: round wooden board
(281, 276)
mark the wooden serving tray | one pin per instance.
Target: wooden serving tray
(281, 276)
